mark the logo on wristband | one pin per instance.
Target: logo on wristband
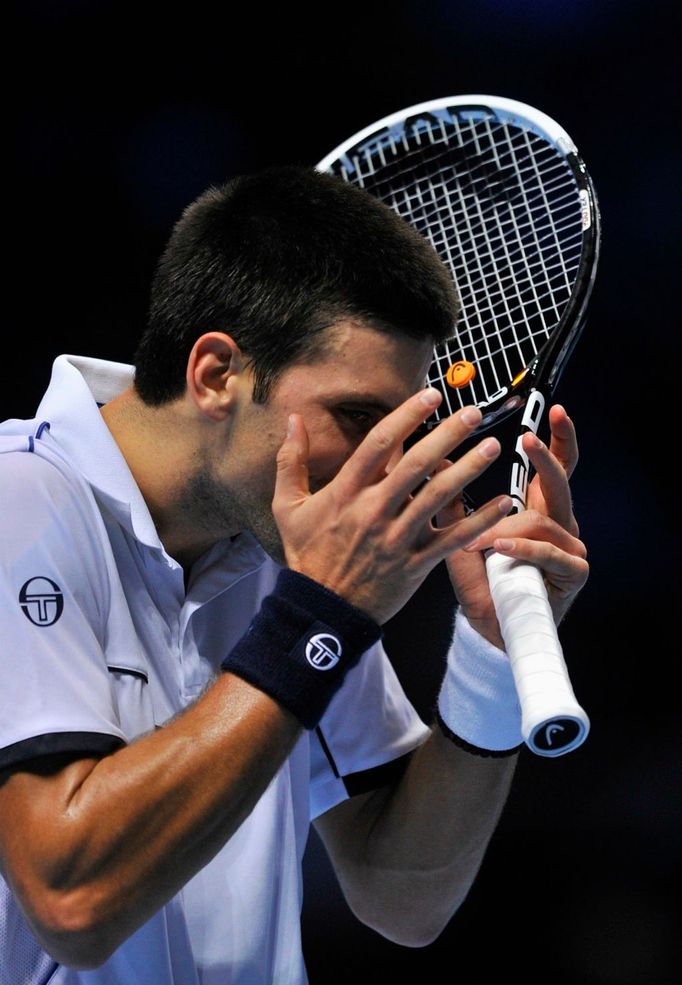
(322, 651)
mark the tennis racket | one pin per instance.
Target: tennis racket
(500, 191)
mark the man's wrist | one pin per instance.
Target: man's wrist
(301, 644)
(478, 705)
(487, 627)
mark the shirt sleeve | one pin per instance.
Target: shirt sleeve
(56, 692)
(368, 728)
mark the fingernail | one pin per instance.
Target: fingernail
(430, 397)
(504, 545)
(470, 416)
(489, 448)
(505, 504)
(291, 424)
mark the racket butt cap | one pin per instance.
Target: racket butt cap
(557, 735)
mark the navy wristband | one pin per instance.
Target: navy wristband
(300, 645)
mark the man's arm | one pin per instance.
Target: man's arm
(407, 856)
(424, 839)
(93, 848)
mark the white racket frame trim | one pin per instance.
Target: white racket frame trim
(514, 111)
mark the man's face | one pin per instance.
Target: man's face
(360, 377)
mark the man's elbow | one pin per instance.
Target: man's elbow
(412, 936)
(403, 921)
(68, 927)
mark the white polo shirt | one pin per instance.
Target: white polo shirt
(101, 643)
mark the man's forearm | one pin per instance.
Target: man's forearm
(422, 841)
(107, 842)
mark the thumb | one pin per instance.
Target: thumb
(291, 483)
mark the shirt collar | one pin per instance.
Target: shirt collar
(79, 386)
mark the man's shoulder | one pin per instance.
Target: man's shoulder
(34, 471)
(50, 523)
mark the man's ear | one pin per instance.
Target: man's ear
(215, 358)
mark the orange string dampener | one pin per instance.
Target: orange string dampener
(460, 373)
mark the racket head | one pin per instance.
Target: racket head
(502, 194)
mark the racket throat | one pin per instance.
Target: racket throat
(521, 468)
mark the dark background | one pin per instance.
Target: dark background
(121, 113)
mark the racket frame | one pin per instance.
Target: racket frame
(567, 726)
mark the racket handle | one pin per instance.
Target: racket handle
(552, 721)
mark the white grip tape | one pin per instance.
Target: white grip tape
(552, 721)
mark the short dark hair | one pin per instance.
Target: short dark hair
(273, 259)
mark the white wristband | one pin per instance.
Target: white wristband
(478, 702)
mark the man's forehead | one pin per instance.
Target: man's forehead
(353, 343)
(369, 366)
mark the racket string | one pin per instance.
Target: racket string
(512, 237)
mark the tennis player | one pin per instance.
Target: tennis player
(197, 557)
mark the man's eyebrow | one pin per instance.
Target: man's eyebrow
(362, 402)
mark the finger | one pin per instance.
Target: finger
(553, 480)
(372, 456)
(291, 482)
(444, 541)
(455, 509)
(534, 526)
(563, 442)
(566, 572)
(424, 458)
(448, 483)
